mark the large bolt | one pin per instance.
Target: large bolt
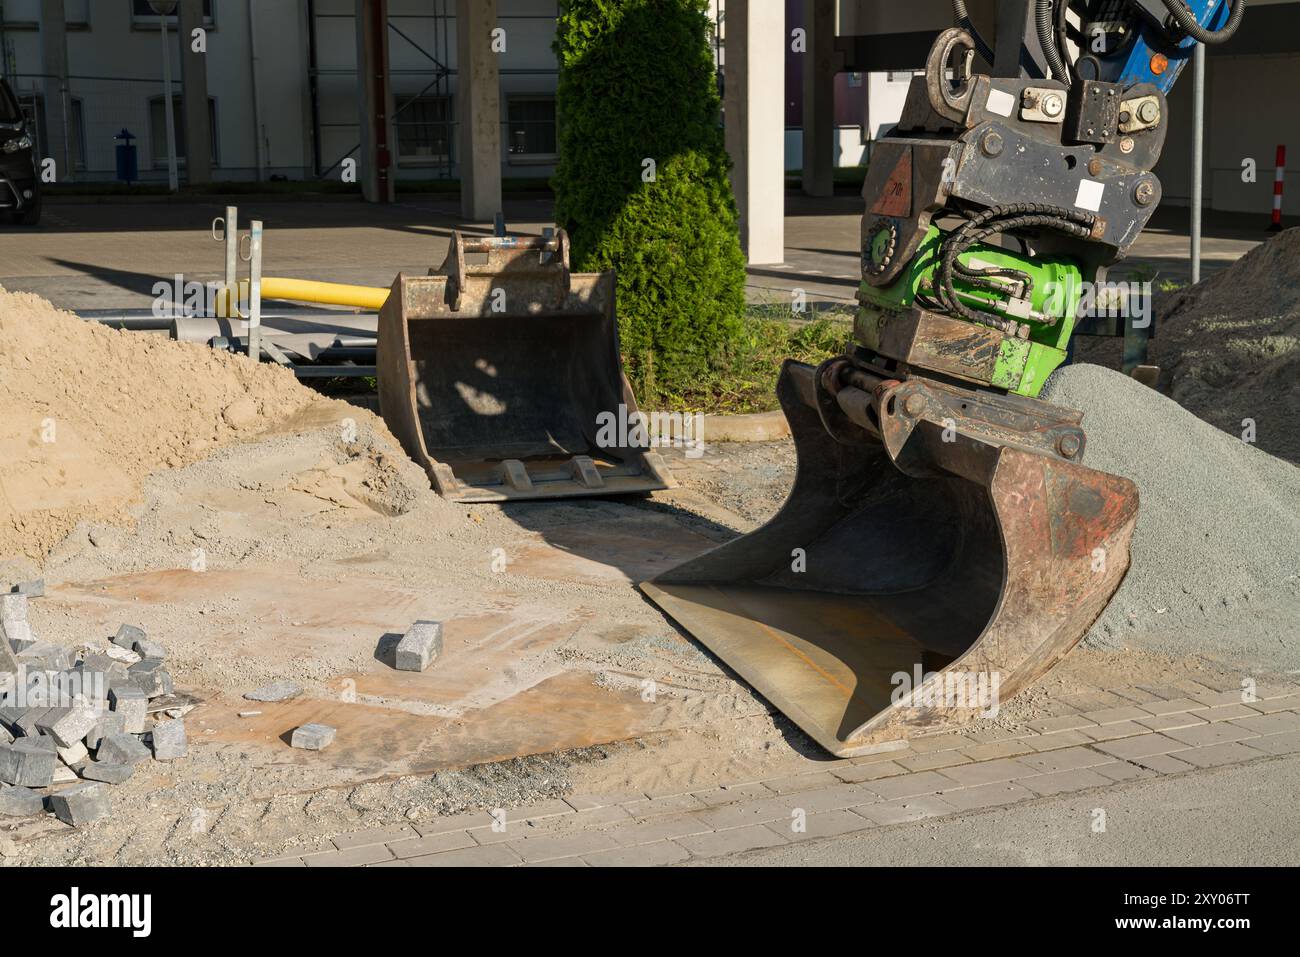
(1068, 445)
(914, 405)
(1094, 167)
(1126, 145)
(1053, 104)
(991, 143)
(1145, 194)
(1148, 111)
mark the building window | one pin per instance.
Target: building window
(76, 134)
(142, 14)
(423, 125)
(76, 14)
(158, 130)
(530, 127)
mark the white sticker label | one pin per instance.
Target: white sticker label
(1089, 197)
(1003, 104)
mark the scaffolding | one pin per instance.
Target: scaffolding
(424, 115)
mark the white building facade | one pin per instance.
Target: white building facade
(280, 81)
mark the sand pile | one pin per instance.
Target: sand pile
(89, 411)
(1230, 346)
(1216, 552)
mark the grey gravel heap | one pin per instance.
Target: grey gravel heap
(1216, 551)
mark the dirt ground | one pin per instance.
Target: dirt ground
(301, 556)
(293, 540)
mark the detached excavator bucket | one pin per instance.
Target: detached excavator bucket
(939, 551)
(500, 374)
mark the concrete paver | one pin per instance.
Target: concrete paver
(731, 842)
(1141, 746)
(1115, 715)
(987, 795)
(1167, 722)
(906, 809)
(1061, 782)
(352, 857)
(644, 855)
(837, 800)
(826, 824)
(561, 845)
(1278, 723)
(934, 761)
(1067, 759)
(433, 844)
(377, 835)
(1111, 732)
(1064, 722)
(996, 749)
(857, 773)
(988, 772)
(491, 855)
(1215, 755)
(1203, 734)
(911, 785)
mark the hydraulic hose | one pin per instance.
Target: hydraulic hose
(1063, 39)
(1045, 21)
(1189, 25)
(992, 221)
(962, 17)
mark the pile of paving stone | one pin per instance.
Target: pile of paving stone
(75, 721)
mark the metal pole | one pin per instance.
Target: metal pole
(173, 180)
(232, 254)
(1198, 151)
(255, 292)
(67, 140)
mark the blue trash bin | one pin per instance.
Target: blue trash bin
(128, 170)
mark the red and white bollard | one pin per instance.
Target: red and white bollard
(1277, 188)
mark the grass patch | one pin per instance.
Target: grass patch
(745, 380)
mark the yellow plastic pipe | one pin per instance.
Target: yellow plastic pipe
(327, 293)
(309, 290)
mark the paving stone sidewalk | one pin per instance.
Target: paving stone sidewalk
(1162, 731)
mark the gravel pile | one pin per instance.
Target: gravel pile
(1216, 551)
(73, 722)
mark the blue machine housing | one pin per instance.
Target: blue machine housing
(1132, 63)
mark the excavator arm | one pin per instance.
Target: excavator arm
(943, 545)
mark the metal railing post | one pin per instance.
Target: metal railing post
(255, 292)
(232, 250)
(1198, 155)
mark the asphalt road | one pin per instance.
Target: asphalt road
(109, 255)
(1242, 815)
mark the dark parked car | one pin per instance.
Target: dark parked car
(20, 188)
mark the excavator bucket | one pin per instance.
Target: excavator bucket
(940, 550)
(500, 374)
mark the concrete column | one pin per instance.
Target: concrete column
(819, 67)
(478, 110)
(54, 64)
(376, 170)
(194, 96)
(754, 55)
